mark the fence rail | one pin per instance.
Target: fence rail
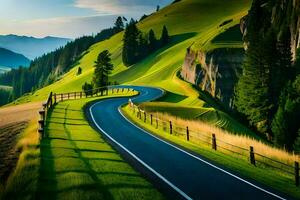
(56, 98)
(254, 158)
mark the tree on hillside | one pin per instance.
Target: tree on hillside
(252, 89)
(119, 25)
(285, 124)
(131, 44)
(152, 40)
(87, 88)
(157, 8)
(285, 53)
(165, 38)
(103, 68)
(274, 70)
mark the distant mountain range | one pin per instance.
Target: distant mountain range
(10, 59)
(31, 47)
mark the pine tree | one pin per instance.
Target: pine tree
(131, 44)
(152, 41)
(165, 38)
(285, 54)
(119, 25)
(103, 68)
(286, 121)
(87, 88)
(297, 143)
(251, 94)
(275, 70)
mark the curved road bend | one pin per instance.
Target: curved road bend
(187, 176)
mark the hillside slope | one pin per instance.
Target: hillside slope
(11, 59)
(159, 69)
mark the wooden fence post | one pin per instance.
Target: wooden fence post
(80, 95)
(145, 117)
(156, 123)
(151, 119)
(252, 156)
(171, 128)
(68, 96)
(187, 134)
(214, 142)
(297, 173)
(61, 97)
(55, 98)
(41, 123)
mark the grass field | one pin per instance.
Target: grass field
(74, 162)
(240, 165)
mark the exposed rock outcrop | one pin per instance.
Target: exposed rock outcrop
(278, 13)
(215, 71)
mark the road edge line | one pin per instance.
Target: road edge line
(206, 162)
(138, 159)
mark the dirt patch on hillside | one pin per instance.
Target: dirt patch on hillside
(13, 121)
(8, 152)
(20, 113)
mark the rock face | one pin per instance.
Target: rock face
(288, 10)
(278, 13)
(215, 71)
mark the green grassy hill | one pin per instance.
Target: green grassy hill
(190, 23)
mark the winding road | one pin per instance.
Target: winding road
(181, 174)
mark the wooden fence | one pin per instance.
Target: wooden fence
(186, 133)
(56, 98)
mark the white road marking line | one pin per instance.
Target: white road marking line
(139, 160)
(159, 175)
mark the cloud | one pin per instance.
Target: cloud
(70, 27)
(116, 6)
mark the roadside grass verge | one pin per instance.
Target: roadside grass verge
(239, 165)
(77, 163)
(74, 162)
(209, 115)
(22, 183)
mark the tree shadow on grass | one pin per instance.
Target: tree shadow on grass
(70, 172)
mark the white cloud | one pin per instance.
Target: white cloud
(132, 7)
(70, 27)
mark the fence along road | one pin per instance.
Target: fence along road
(187, 175)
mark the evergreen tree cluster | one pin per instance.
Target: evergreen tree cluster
(138, 45)
(268, 92)
(50, 67)
(4, 96)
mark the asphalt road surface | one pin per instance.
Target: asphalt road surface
(183, 174)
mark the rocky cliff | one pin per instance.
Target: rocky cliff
(215, 71)
(278, 13)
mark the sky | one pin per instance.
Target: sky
(68, 18)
